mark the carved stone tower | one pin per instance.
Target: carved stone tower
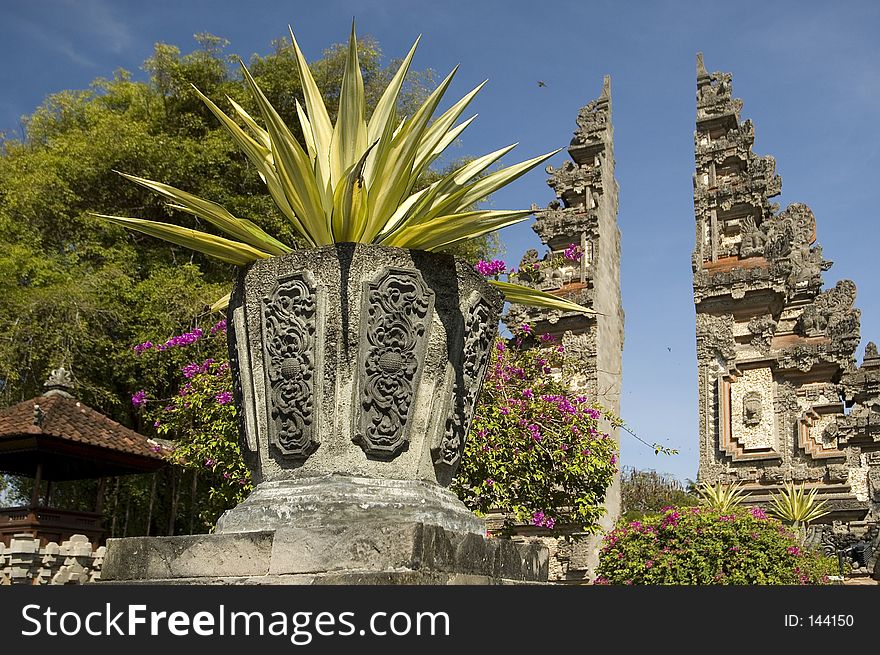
(780, 394)
(584, 214)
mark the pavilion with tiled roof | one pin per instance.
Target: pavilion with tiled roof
(54, 438)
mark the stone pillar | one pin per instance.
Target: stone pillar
(775, 351)
(585, 214)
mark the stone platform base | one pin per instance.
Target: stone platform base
(362, 553)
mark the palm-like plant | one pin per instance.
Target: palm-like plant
(720, 497)
(353, 181)
(794, 505)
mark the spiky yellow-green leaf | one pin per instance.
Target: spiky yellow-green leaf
(355, 180)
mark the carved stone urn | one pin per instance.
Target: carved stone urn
(356, 371)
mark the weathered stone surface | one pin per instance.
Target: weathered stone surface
(775, 353)
(404, 553)
(149, 558)
(584, 213)
(321, 549)
(384, 578)
(74, 561)
(343, 500)
(345, 359)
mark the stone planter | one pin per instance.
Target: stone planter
(357, 369)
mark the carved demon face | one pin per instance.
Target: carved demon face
(752, 409)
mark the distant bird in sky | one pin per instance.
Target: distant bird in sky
(541, 83)
(668, 348)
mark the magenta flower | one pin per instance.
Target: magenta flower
(793, 550)
(573, 253)
(223, 397)
(758, 513)
(489, 269)
(543, 521)
(191, 370)
(139, 398)
(219, 326)
(670, 520)
(141, 347)
(181, 340)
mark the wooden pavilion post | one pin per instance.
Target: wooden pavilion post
(38, 480)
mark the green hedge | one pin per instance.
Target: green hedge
(701, 546)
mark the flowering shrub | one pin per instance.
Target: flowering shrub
(490, 269)
(700, 546)
(200, 419)
(572, 254)
(535, 449)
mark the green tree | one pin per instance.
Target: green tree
(79, 292)
(650, 492)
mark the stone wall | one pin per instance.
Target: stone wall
(839, 536)
(74, 561)
(781, 396)
(584, 213)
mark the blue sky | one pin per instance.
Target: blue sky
(808, 72)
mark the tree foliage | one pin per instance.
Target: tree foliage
(650, 492)
(76, 291)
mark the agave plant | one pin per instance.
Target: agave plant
(794, 505)
(353, 181)
(719, 497)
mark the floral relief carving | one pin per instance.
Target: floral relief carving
(477, 345)
(289, 326)
(397, 313)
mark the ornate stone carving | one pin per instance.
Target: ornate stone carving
(715, 337)
(790, 236)
(763, 327)
(874, 483)
(751, 399)
(837, 473)
(752, 409)
(773, 475)
(59, 378)
(289, 327)
(760, 269)
(752, 239)
(466, 381)
(395, 319)
(832, 314)
(714, 93)
(801, 357)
